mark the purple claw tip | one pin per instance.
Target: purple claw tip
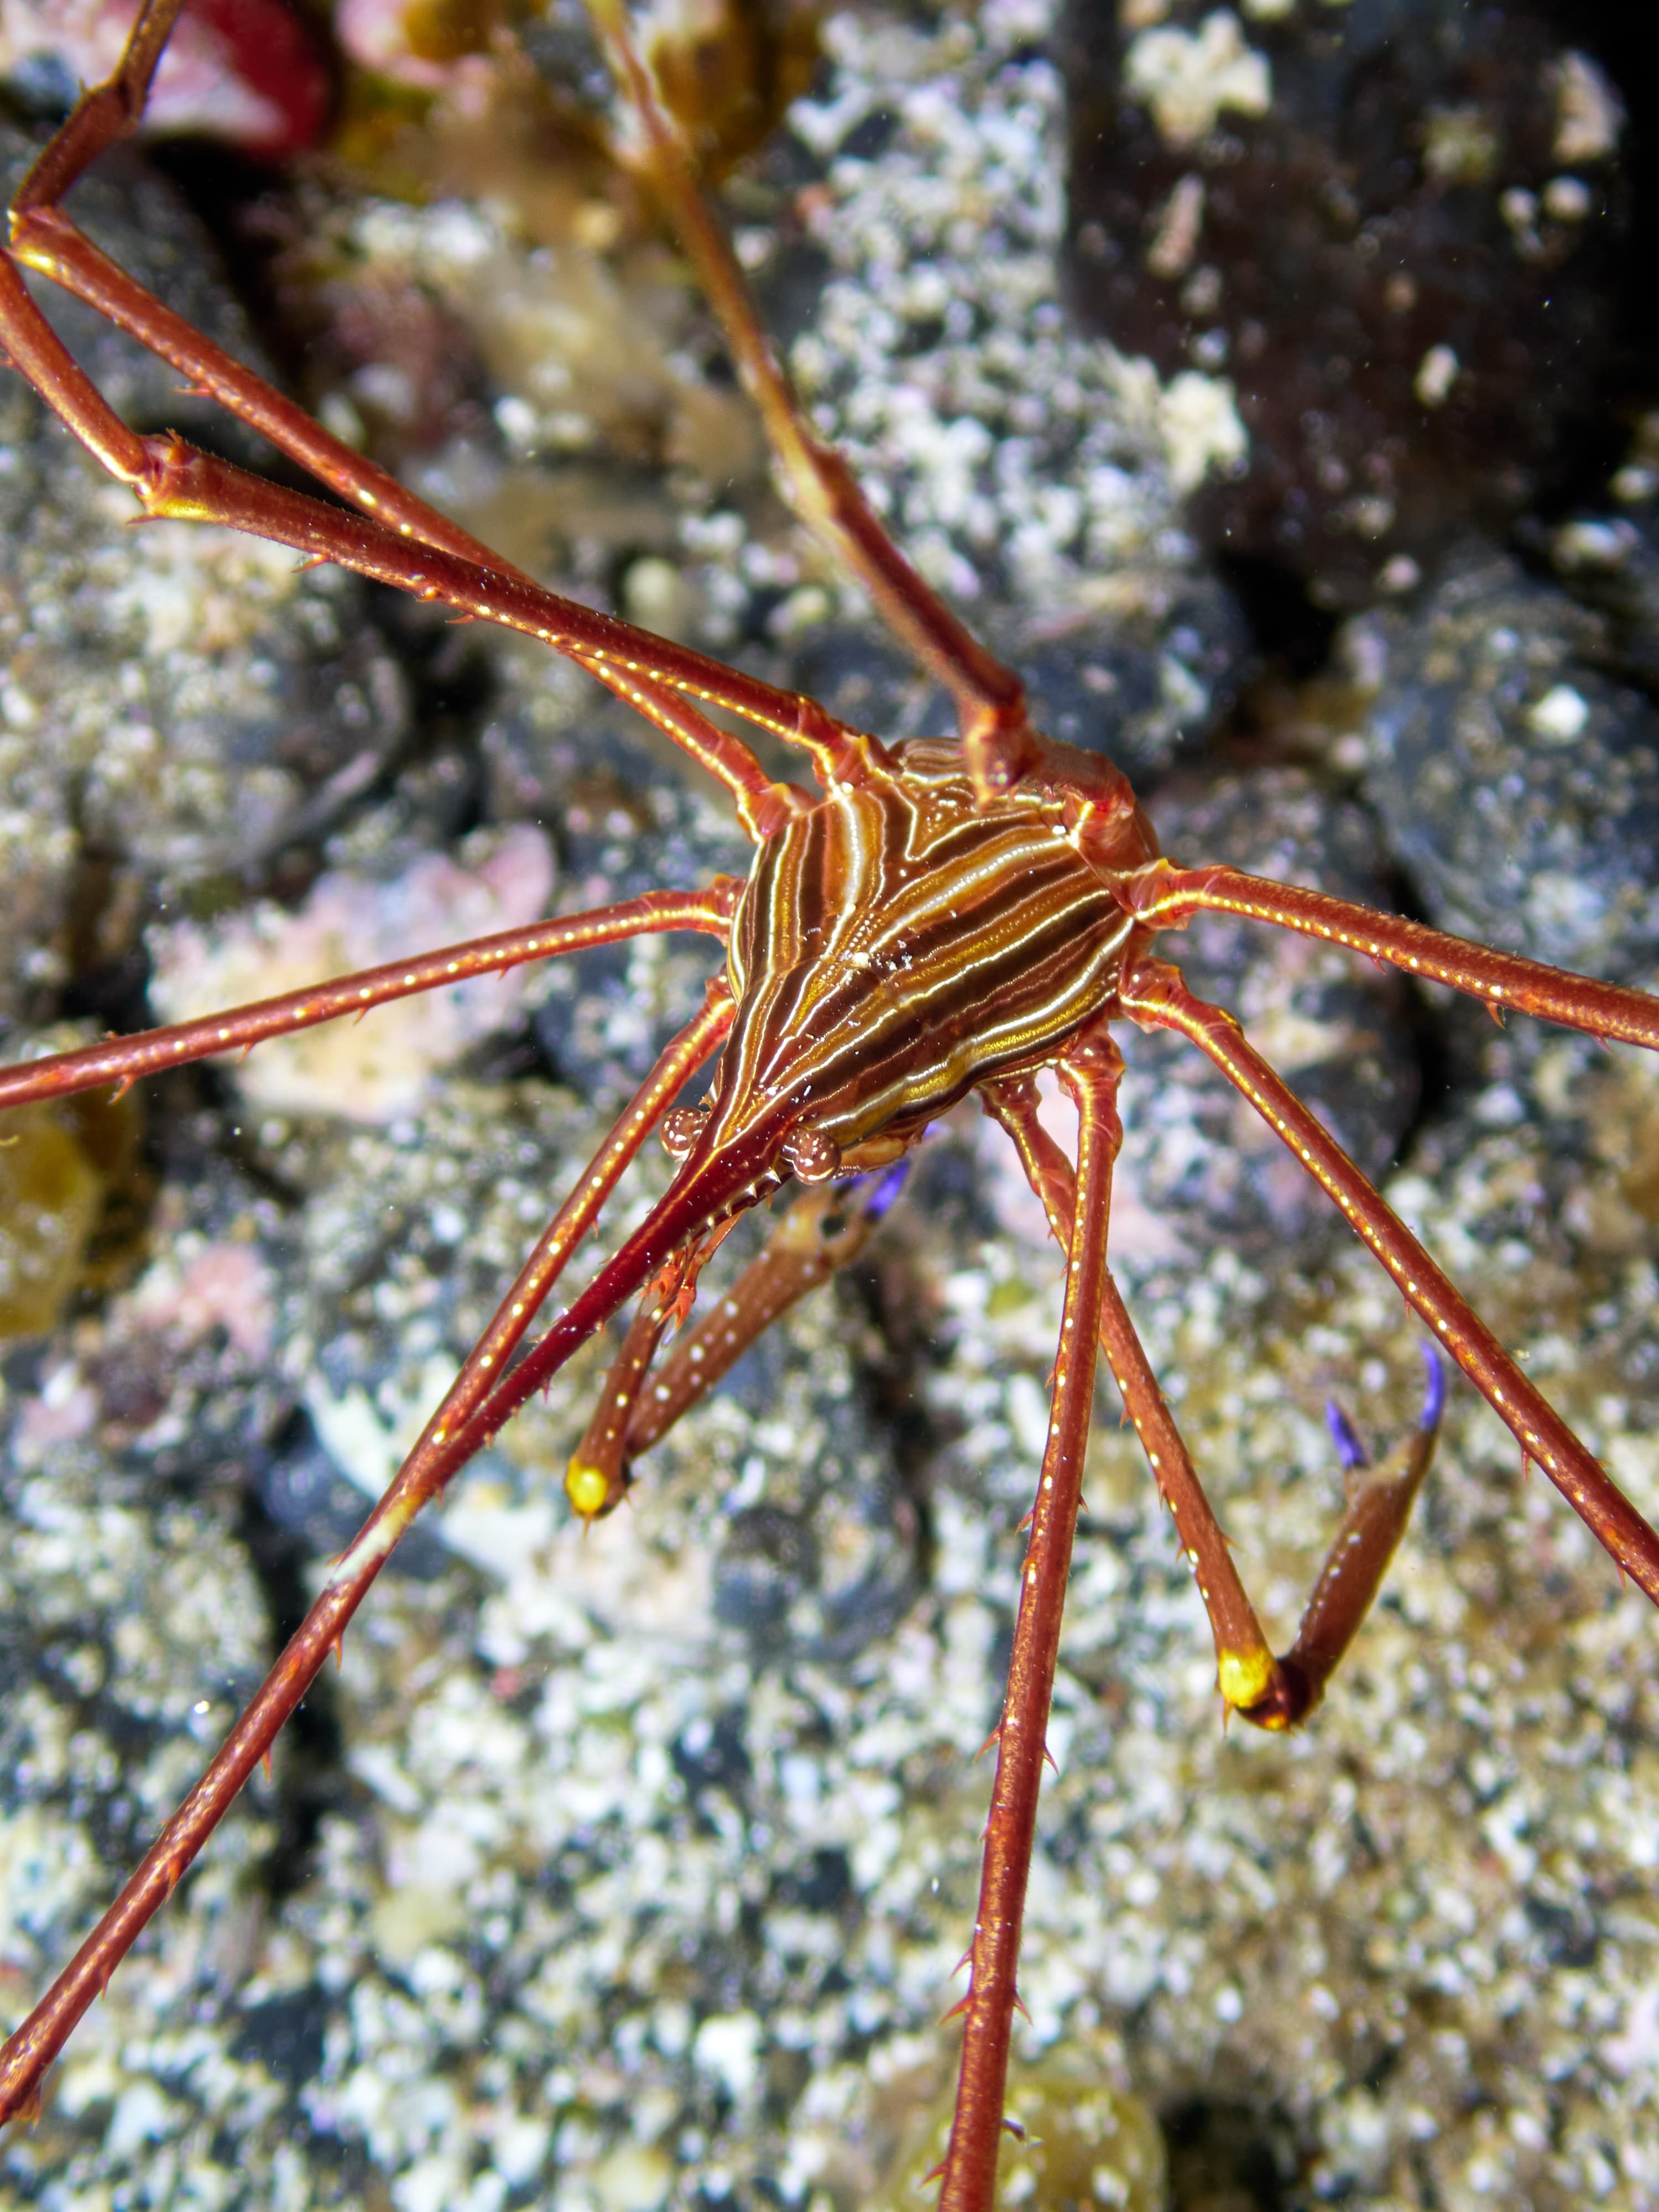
(883, 1188)
(1349, 1449)
(1434, 1397)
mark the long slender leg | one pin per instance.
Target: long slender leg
(441, 1450)
(597, 1479)
(593, 1479)
(172, 482)
(159, 472)
(1154, 994)
(1001, 746)
(122, 1061)
(1246, 1669)
(1089, 1072)
(991, 698)
(110, 113)
(45, 240)
(1166, 897)
(1272, 1693)
(824, 1231)
(1267, 1691)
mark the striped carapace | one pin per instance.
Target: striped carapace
(941, 917)
(898, 944)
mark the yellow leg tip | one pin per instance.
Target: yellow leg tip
(1243, 1678)
(588, 1487)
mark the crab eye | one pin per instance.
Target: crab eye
(813, 1156)
(681, 1129)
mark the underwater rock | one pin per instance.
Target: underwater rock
(1388, 232)
(1200, 1168)
(179, 701)
(1517, 779)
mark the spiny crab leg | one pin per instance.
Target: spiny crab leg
(122, 1061)
(1154, 994)
(1002, 748)
(1163, 896)
(45, 240)
(1243, 1656)
(1090, 1073)
(108, 113)
(1001, 743)
(442, 1449)
(171, 480)
(597, 1481)
(823, 1231)
(1271, 1692)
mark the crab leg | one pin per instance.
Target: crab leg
(998, 737)
(824, 1231)
(1166, 897)
(990, 697)
(1090, 1073)
(1154, 994)
(122, 1061)
(108, 113)
(172, 482)
(441, 1450)
(43, 238)
(46, 241)
(1272, 1692)
(597, 1479)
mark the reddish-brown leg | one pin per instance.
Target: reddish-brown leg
(1167, 897)
(108, 113)
(990, 697)
(448, 1441)
(1154, 994)
(824, 1231)
(596, 1481)
(122, 1061)
(1089, 1072)
(172, 482)
(1002, 748)
(44, 238)
(1270, 1691)
(645, 669)
(408, 545)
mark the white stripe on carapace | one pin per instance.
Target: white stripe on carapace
(899, 942)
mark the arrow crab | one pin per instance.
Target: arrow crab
(774, 1751)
